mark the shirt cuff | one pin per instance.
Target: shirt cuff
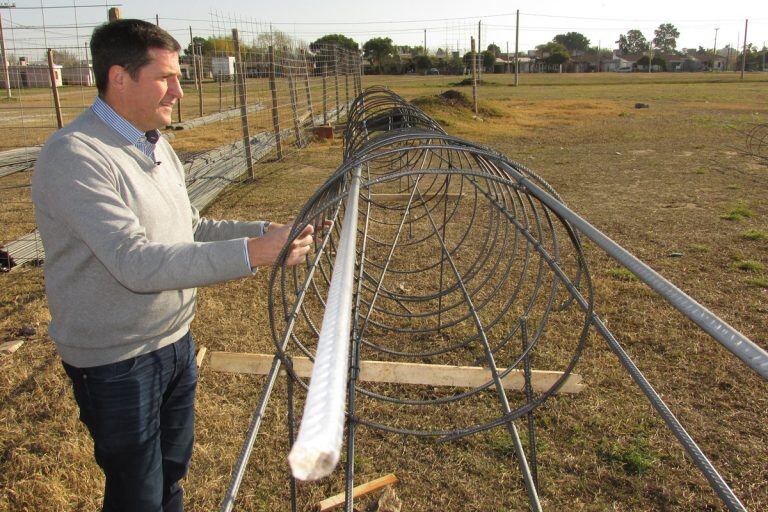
(247, 259)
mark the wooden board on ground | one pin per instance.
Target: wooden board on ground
(402, 373)
(9, 347)
(360, 490)
(200, 356)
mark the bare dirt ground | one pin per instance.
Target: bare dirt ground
(663, 181)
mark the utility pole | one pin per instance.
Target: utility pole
(507, 56)
(597, 67)
(6, 74)
(157, 20)
(714, 50)
(763, 55)
(650, 56)
(87, 64)
(198, 72)
(517, 40)
(474, 76)
(425, 41)
(479, 55)
(744, 50)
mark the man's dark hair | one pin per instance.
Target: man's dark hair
(126, 43)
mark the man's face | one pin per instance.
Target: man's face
(150, 98)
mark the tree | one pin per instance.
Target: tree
(554, 53)
(422, 61)
(489, 59)
(656, 61)
(633, 42)
(378, 49)
(206, 45)
(495, 50)
(666, 37)
(337, 40)
(572, 41)
(754, 60)
(220, 45)
(276, 39)
(64, 58)
(467, 59)
(602, 53)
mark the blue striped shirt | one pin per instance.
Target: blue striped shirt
(124, 128)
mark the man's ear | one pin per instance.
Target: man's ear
(118, 76)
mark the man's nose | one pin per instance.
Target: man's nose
(174, 88)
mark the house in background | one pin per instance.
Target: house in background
(37, 74)
(78, 74)
(223, 68)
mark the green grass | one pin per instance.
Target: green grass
(749, 266)
(621, 274)
(738, 212)
(501, 444)
(635, 456)
(754, 234)
(758, 282)
(699, 248)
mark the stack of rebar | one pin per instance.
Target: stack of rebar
(207, 174)
(19, 159)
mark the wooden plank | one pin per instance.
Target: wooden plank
(393, 197)
(200, 356)
(9, 347)
(360, 490)
(401, 373)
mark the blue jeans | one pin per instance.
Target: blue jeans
(140, 413)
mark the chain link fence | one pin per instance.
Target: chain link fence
(251, 95)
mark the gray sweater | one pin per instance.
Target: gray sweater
(124, 248)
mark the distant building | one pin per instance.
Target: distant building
(223, 67)
(78, 74)
(505, 62)
(32, 75)
(187, 73)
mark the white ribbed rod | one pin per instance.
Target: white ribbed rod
(316, 451)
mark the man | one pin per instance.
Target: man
(125, 251)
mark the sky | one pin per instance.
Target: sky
(448, 23)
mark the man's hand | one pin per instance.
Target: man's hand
(265, 250)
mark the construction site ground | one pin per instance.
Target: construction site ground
(671, 183)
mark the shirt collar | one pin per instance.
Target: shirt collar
(123, 127)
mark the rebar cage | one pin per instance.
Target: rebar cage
(464, 258)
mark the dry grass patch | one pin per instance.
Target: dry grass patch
(16, 215)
